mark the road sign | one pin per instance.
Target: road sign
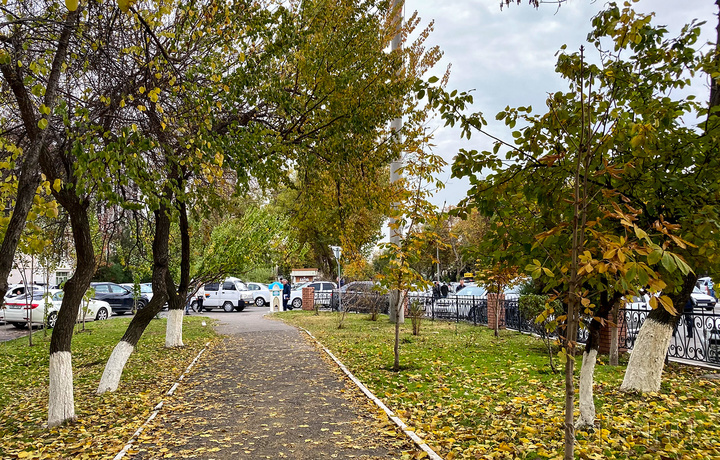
(337, 251)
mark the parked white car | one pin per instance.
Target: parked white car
(321, 287)
(17, 289)
(20, 307)
(702, 300)
(261, 293)
(230, 294)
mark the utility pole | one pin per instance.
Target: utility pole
(437, 248)
(397, 313)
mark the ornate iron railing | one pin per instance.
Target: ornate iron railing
(696, 337)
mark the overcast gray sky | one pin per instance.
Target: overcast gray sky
(508, 57)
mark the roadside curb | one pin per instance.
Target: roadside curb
(156, 409)
(409, 432)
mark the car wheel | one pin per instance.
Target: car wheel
(297, 303)
(102, 314)
(260, 302)
(51, 320)
(141, 304)
(228, 307)
(240, 308)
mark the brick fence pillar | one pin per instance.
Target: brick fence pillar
(605, 337)
(495, 303)
(308, 298)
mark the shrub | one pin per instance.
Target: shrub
(416, 313)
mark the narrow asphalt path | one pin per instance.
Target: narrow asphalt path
(267, 392)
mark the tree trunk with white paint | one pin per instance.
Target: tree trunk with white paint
(61, 407)
(116, 364)
(177, 298)
(173, 330)
(647, 359)
(121, 353)
(587, 371)
(60, 404)
(587, 404)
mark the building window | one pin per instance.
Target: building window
(61, 277)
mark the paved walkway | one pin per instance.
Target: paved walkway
(266, 391)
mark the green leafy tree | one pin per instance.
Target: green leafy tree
(412, 209)
(588, 176)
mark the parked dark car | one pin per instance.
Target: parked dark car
(361, 297)
(120, 299)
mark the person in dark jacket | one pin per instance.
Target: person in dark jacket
(444, 290)
(436, 290)
(689, 318)
(286, 295)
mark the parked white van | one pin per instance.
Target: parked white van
(230, 294)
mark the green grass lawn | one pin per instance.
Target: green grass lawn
(471, 395)
(104, 423)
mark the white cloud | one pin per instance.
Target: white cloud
(508, 57)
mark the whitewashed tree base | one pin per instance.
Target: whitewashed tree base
(61, 404)
(114, 367)
(587, 404)
(173, 330)
(647, 360)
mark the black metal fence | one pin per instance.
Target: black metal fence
(696, 338)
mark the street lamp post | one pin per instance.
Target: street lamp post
(337, 252)
(396, 311)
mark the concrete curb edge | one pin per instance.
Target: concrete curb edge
(409, 432)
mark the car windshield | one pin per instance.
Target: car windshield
(696, 290)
